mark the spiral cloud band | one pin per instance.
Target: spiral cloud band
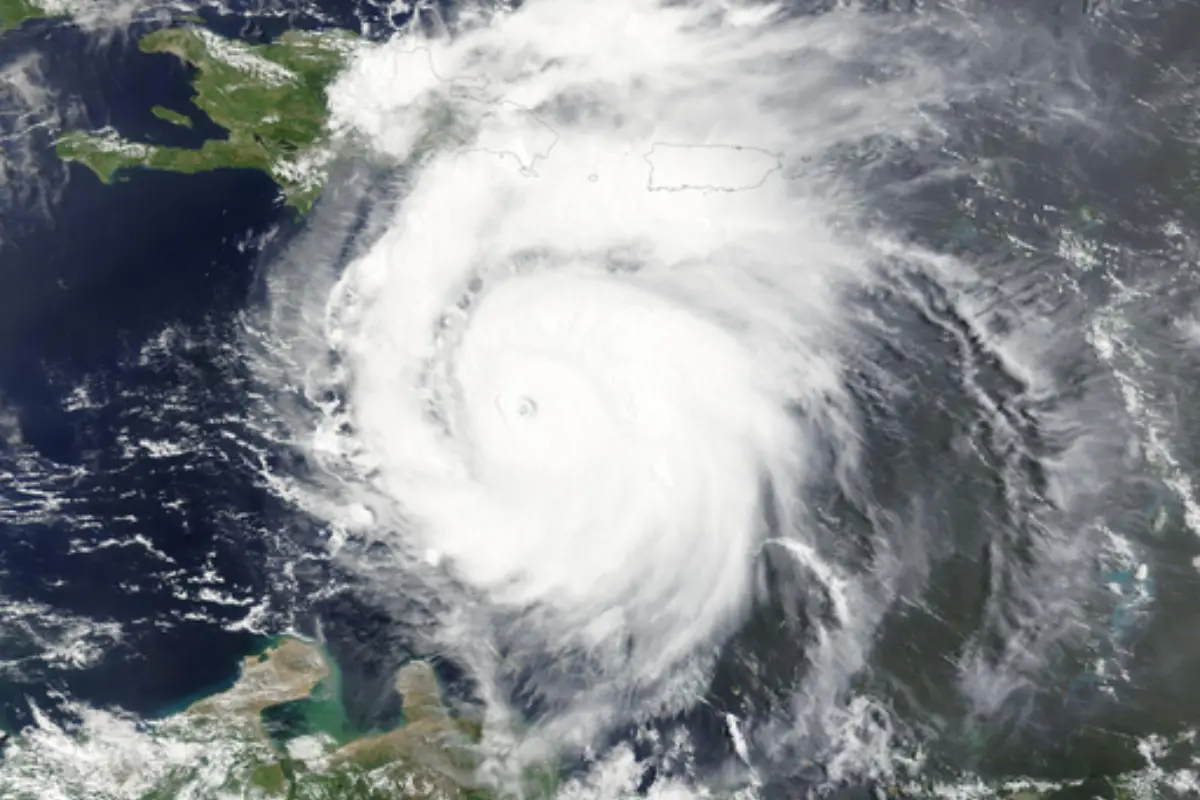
(592, 355)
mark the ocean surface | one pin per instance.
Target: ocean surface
(140, 560)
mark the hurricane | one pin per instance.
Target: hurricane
(600, 346)
(608, 347)
(551, 350)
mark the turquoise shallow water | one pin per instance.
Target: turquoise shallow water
(324, 712)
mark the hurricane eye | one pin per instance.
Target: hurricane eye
(526, 408)
(522, 407)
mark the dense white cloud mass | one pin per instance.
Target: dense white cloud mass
(598, 343)
(589, 353)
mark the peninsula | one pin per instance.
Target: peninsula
(270, 98)
(432, 755)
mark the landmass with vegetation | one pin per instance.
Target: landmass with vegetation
(431, 755)
(224, 746)
(270, 98)
(14, 12)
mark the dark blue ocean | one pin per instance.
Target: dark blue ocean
(125, 298)
(138, 545)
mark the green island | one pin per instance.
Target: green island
(14, 12)
(173, 117)
(269, 97)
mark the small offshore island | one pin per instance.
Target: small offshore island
(269, 97)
